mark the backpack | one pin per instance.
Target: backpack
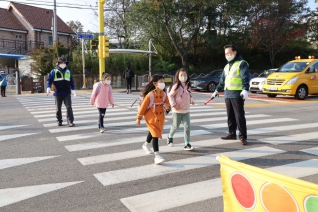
(151, 103)
(182, 90)
(128, 74)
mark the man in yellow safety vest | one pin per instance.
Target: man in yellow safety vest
(63, 82)
(235, 82)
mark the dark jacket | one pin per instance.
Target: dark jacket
(128, 74)
(245, 79)
(63, 87)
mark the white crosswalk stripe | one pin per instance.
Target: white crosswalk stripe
(87, 143)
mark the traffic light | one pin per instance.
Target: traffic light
(106, 47)
(94, 48)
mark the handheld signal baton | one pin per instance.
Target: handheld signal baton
(209, 100)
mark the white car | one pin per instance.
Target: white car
(256, 84)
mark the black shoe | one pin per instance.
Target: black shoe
(229, 137)
(59, 123)
(170, 141)
(243, 141)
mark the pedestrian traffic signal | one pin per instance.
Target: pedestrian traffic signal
(94, 48)
(106, 47)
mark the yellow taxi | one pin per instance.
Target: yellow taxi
(297, 78)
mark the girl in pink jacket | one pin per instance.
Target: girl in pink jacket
(180, 99)
(102, 95)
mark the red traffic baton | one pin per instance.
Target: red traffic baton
(209, 100)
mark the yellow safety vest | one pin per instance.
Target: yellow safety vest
(67, 75)
(233, 79)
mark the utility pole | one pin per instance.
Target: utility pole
(83, 59)
(101, 37)
(54, 25)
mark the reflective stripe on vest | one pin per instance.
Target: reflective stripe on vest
(233, 79)
(67, 75)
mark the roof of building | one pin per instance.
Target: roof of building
(9, 21)
(40, 18)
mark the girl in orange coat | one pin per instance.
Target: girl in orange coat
(153, 107)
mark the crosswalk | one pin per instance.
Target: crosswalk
(125, 139)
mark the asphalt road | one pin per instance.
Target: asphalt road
(44, 167)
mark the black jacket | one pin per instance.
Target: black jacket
(128, 74)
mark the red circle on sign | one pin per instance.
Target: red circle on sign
(243, 190)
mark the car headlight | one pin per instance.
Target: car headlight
(292, 81)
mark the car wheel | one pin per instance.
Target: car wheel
(271, 95)
(211, 87)
(301, 92)
(253, 91)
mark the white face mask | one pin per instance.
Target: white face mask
(230, 58)
(108, 82)
(62, 66)
(161, 85)
(183, 78)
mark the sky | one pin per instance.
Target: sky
(85, 16)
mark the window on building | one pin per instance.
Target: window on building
(18, 37)
(50, 40)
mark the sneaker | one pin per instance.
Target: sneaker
(59, 123)
(158, 159)
(170, 141)
(147, 148)
(188, 147)
(71, 124)
(102, 129)
(127, 92)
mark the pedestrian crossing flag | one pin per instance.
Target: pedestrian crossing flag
(248, 188)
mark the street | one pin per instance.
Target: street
(44, 167)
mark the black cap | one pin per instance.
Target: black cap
(62, 60)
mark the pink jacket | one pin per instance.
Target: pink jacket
(181, 97)
(103, 97)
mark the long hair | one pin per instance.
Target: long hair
(150, 86)
(177, 81)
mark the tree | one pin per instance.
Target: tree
(77, 27)
(182, 19)
(274, 24)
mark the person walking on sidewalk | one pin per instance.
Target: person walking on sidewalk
(101, 96)
(180, 99)
(3, 84)
(153, 108)
(235, 82)
(128, 76)
(63, 82)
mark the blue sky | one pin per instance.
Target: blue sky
(85, 16)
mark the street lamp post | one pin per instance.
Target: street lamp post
(101, 36)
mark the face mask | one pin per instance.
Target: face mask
(183, 78)
(62, 66)
(230, 58)
(161, 85)
(108, 82)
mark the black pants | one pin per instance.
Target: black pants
(236, 117)
(102, 112)
(68, 104)
(3, 90)
(155, 144)
(128, 80)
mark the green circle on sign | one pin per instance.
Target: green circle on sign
(93, 53)
(311, 203)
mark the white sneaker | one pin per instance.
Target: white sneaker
(146, 146)
(101, 130)
(158, 159)
(188, 147)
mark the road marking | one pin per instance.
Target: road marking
(225, 118)
(249, 122)
(313, 151)
(142, 172)
(12, 195)
(12, 126)
(137, 153)
(6, 163)
(290, 138)
(6, 137)
(186, 194)
(76, 113)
